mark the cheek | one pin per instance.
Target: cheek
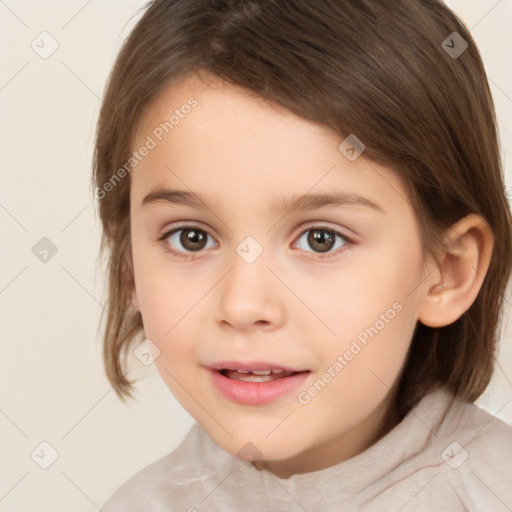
(373, 314)
(358, 371)
(371, 343)
(164, 308)
(351, 305)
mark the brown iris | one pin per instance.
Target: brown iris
(193, 239)
(322, 240)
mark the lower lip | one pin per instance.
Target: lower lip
(256, 393)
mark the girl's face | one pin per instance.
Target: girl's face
(249, 262)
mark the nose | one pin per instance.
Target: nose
(249, 296)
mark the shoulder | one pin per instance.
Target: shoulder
(475, 451)
(485, 437)
(172, 480)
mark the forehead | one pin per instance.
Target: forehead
(221, 106)
(233, 144)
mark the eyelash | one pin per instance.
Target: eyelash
(184, 256)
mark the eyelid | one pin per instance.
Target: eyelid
(167, 231)
(305, 227)
(319, 224)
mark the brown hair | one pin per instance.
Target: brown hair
(375, 68)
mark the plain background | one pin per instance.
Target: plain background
(52, 385)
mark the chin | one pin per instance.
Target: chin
(252, 444)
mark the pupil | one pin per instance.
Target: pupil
(192, 239)
(321, 236)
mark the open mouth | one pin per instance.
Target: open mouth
(256, 387)
(257, 375)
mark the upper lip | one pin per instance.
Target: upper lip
(252, 366)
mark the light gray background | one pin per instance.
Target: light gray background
(52, 386)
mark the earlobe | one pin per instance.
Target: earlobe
(464, 264)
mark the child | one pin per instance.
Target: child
(304, 213)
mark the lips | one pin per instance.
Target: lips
(257, 382)
(257, 375)
(253, 366)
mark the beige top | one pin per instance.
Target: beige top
(446, 455)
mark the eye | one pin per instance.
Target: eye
(322, 240)
(191, 238)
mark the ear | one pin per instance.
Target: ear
(469, 244)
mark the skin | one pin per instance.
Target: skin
(289, 305)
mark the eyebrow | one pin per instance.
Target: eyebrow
(295, 203)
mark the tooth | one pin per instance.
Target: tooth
(278, 370)
(243, 371)
(261, 372)
(254, 378)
